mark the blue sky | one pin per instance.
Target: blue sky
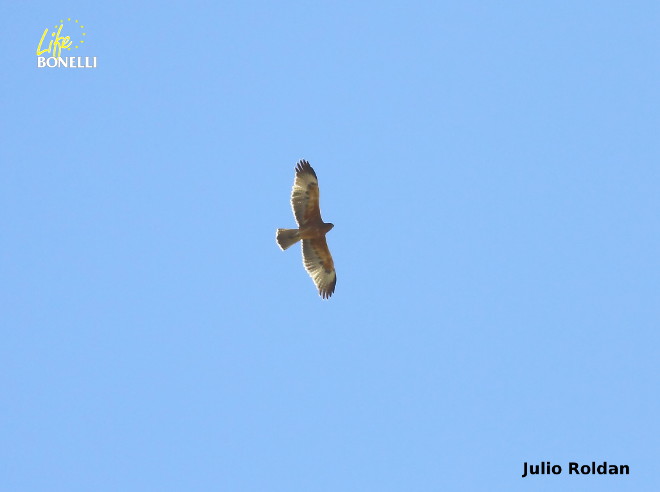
(492, 173)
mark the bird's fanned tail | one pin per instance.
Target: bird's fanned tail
(287, 237)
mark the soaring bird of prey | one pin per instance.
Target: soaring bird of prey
(311, 229)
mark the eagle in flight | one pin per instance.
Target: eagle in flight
(311, 230)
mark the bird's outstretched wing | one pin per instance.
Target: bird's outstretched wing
(318, 263)
(305, 195)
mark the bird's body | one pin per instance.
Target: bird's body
(311, 230)
(315, 231)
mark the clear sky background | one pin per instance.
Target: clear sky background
(492, 171)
